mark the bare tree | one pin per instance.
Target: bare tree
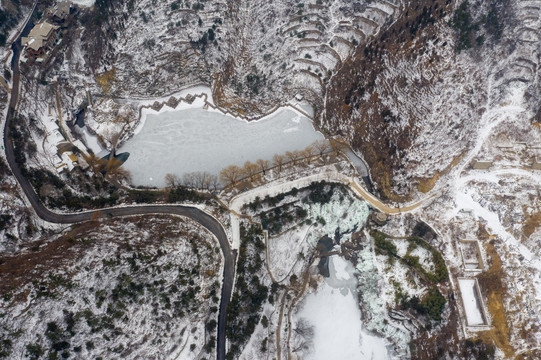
(112, 136)
(205, 180)
(202, 179)
(188, 180)
(213, 182)
(112, 163)
(171, 180)
(96, 164)
(264, 165)
(250, 169)
(338, 146)
(293, 156)
(307, 154)
(278, 160)
(321, 146)
(303, 336)
(230, 174)
(118, 174)
(310, 150)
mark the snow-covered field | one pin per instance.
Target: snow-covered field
(471, 302)
(195, 139)
(334, 313)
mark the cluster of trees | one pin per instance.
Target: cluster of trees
(171, 288)
(234, 173)
(58, 337)
(195, 6)
(8, 20)
(478, 350)
(275, 220)
(180, 194)
(22, 141)
(110, 168)
(385, 246)
(246, 304)
(468, 29)
(432, 304)
(198, 179)
(269, 200)
(208, 37)
(54, 193)
(440, 274)
(321, 192)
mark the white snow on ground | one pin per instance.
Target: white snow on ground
(335, 315)
(87, 3)
(91, 141)
(284, 250)
(471, 303)
(189, 140)
(465, 201)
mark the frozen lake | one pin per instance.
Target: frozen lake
(333, 312)
(195, 139)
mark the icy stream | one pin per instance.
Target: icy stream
(195, 139)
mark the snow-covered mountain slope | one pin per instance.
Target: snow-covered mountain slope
(411, 85)
(143, 287)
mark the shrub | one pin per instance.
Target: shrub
(383, 246)
(434, 304)
(34, 351)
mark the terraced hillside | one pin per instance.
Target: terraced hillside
(410, 84)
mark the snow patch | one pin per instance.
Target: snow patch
(471, 302)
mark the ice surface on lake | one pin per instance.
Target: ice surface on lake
(471, 303)
(189, 140)
(334, 313)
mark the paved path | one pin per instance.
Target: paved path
(193, 213)
(282, 186)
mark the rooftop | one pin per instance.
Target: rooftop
(38, 36)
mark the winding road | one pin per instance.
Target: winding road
(193, 213)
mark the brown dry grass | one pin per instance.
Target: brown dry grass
(105, 79)
(494, 291)
(427, 184)
(531, 224)
(529, 355)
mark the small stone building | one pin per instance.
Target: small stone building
(481, 164)
(379, 218)
(60, 11)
